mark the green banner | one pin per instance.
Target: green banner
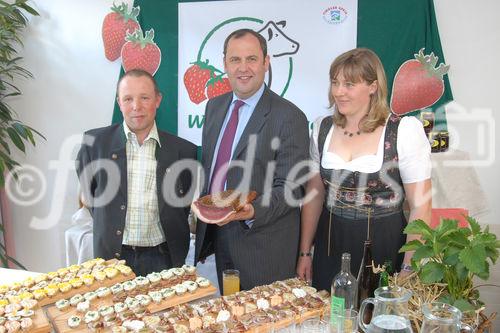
(394, 29)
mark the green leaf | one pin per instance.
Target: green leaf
(463, 305)
(21, 130)
(29, 9)
(5, 145)
(446, 298)
(492, 254)
(16, 139)
(474, 258)
(484, 275)
(31, 138)
(432, 272)
(446, 227)
(450, 256)
(423, 252)
(474, 226)
(418, 227)
(411, 246)
(461, 273)
(459, 238)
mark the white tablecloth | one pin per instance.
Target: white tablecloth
(79, 239)
(8, 276)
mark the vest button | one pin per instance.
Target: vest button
(118, 232)
(117, 255)
(122, 207)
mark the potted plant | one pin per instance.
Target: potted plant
(453, 256)
(13, 132)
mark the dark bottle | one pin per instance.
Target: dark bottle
(384, 276)
(367, 279)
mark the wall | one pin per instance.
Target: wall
(73, 91)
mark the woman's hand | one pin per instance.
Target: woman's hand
(304, 268)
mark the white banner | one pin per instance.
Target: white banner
(303, 39)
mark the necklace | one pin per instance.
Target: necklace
(350, 134)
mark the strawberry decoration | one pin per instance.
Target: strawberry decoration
(141, 52)
(196, 78)
(217, 86)
(115, 26)
(418, 83)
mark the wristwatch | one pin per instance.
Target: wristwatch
(406, 267)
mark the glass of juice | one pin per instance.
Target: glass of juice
(230, 281)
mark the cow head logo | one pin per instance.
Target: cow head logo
(203, 79)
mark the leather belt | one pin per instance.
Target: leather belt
(141, 248)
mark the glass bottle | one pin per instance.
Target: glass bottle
(344, 290)
(384, 275)
(367, 279)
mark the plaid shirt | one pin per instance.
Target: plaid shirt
(142, 222)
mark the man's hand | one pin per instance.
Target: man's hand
(247, 213)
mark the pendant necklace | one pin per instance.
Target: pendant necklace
(351, 134)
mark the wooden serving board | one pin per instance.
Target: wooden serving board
(60, 318)
(84, 288)
(40, 323)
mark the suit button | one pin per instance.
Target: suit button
(117, 255)
(181, 191)
(118, 232)
(122, 207)
(114, 156)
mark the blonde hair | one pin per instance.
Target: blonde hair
(360, 65)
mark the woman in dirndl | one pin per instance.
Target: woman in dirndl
(365, 163)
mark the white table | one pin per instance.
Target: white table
(8, 276)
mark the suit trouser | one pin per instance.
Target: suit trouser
(222, 254)
(145, 260)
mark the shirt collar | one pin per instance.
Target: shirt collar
(153, 133)
(252, 100)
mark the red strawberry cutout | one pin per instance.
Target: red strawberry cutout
(115, 26)
(141, 52)
(418, 84)
(196, 78)
(218, 86)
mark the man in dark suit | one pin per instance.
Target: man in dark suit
(268, 136)
(134, 192)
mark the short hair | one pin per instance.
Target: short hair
(359, 65)
(137, 72)
(243, 32)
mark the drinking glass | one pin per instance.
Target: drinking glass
(312, 325)
(346, 322)
(230, 281)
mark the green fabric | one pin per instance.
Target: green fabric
(394, 29)
(161, 15)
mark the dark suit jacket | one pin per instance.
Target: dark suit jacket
(268, 250)
(106, 146)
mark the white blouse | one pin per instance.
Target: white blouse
(414, 152)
